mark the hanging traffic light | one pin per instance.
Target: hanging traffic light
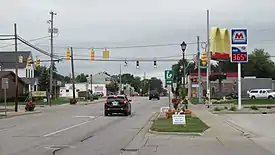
(155, 64)
(137, 65)
(68, 54)
(92, 54)
(204, 58)
(106, 54)
(37, 62)
(29, 61)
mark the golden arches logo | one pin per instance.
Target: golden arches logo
(220, 43)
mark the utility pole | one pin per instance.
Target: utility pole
(91, 80)
(199, 69)
(120, 80)
(51, 66)
(16, 69)
(72, 65)
(144, 83)
(209, 58)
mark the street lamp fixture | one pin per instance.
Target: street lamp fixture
(183, 46)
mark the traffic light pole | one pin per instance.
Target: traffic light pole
(72, 66)
(199, 70)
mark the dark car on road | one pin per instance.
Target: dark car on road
(117, 104)
(154, 95)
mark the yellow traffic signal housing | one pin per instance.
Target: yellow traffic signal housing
(204, 58)
(92, 55)
(37, 62)
(68, 54)
(106, 54)
(29, 61)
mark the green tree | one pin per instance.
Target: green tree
(81, 78)
(67, 79)
(112, 86)
(43, 78)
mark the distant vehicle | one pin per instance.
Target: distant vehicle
(117, 104)
(99, 94)
(261, 93)
(154, 94)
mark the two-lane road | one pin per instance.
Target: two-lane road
(75, 129)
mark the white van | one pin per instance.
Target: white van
(261, 93)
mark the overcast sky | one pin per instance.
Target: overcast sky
(84, 24)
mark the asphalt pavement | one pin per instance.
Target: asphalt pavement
(76, 129)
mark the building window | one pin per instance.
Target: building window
(67, 90)
(26, 72)
(77, 90)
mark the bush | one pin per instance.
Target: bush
(233, 108)
(225, 107)
(73, 101)
(254, 107)
(217, 109)
(95, 97)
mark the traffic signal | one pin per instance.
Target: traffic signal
(155, 64)
(137, 64)
(68, 54)
(106, 54)
(92, 55)
(204, 58)
(37, 62)
(29, 61)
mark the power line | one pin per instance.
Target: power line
(35, 39)
(36, 48)
(118, 47)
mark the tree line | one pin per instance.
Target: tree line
(139, 85)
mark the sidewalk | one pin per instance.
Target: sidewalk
(218, 125)
(19, 113)
(220, 138)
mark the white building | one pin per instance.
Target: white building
(67, 91)
(26, 73)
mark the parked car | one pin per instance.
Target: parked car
(261, 93)
(154, 94)
(117, 104)
(99, 94)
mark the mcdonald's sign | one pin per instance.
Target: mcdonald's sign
(220, 44)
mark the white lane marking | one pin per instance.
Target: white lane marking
(68, 128)
(84, 116)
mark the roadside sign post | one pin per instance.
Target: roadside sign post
(239, 55)
(5, 86)
(168, 74)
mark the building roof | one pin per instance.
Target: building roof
(30, 81)
(5, 73)
(8, 59)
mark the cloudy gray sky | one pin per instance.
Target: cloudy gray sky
(84, 24)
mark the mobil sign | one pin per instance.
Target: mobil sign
(239, 36)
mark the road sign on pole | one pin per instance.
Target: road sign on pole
(5, 86)
(168, 77)
(239, 54)
(239, 36)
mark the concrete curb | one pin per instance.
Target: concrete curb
(175, 133)
(20, 114)
(242, 112)
(237, 127)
